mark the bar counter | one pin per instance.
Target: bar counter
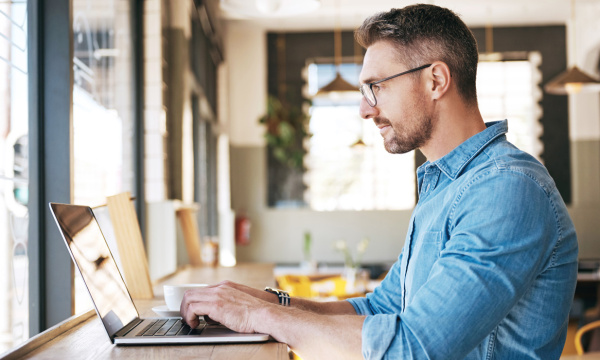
(84, 337)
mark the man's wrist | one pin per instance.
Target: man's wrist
(282, 296)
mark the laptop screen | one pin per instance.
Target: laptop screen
(91, 255)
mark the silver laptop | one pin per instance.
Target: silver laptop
(113, 303)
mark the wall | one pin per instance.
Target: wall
(584, 129)
(245, 54)
(277, 234)
(155, 128)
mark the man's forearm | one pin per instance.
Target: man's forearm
(311, 334)
(323, 308)
(319, 307)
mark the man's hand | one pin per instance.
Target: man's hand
(233, 305)
(312, 329)
(261, 294)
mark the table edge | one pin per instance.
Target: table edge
(44, 337)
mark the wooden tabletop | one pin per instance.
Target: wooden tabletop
(251, 274)
(84, 337)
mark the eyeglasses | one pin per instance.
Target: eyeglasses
(367, 89)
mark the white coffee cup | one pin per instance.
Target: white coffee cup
(174, 294)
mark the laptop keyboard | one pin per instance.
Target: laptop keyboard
(170, 327)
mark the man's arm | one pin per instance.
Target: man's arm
(310, 333)
(314, 336)
(497, 246)
(319, 307)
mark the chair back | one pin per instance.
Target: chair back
(191, 234)
(129, 240)
(591, 326)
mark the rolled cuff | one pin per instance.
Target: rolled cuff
(378, 333)
(361, 306)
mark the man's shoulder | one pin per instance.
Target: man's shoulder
(503, 161)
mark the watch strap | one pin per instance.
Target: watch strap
(283, 296)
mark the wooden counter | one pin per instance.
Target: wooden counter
(83, 336)
(588, 356)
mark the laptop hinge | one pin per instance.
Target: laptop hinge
(127, 328)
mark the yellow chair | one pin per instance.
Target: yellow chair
(314, 286)
(331, 286)
(581, 331)
(295, 285)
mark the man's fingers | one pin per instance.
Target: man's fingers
(199, 302)
(224, 303)
(188, 313)
(192, 312)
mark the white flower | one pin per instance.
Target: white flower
(362, 245)
(340, 245)
(349, 261)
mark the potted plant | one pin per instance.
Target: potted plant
(286, 130)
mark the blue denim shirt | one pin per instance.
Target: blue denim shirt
(489, 264)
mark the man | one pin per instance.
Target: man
(489, 264)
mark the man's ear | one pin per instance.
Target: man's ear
(440, 79)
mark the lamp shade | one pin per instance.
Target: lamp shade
(358, 144)
(338, 90)
(572, 81)
(338, 84)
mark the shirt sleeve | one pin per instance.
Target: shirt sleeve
(386, 298)
(500, 235)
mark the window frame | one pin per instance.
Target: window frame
(50, 132)
(50, 63)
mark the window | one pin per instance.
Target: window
(14, 261)
(348, 167)
(103, 108)
(509, 89)
(103, 126)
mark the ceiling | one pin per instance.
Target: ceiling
(474, 12)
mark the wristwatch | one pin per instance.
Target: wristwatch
(284, 297)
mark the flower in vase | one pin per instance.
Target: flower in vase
(349, 260)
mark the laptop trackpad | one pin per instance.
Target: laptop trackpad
(216, 330)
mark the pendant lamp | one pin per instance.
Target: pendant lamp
(573, 80)
(338, 87)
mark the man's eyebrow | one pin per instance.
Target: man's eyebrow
(368, 80)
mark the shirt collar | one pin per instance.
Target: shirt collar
(455, 161)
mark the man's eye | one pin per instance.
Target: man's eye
(375, 88)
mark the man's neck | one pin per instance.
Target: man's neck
(455, 122)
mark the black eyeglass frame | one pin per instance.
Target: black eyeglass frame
(370, 85)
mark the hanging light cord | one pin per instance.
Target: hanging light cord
(337, 40)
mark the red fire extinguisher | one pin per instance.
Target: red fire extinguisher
(242, 230)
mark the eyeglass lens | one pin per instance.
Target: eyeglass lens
(367, 92)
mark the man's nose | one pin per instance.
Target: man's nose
(366, 111)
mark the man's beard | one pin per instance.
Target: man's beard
(410, 137)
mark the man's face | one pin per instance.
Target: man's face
(402, 114)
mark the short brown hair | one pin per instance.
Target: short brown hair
(424, 34)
